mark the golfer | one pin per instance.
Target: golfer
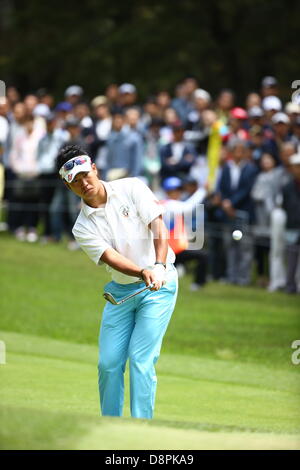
(120, 225)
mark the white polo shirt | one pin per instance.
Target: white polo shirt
(122, 224)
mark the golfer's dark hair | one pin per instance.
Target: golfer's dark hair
(66, 153)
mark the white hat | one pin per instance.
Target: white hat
(280, 117)
(74, 90)
(295, 159)
(75, 165)
(203, 94)
(255, 112)
(292, 107)
(98, 101)
(41, 109)
(127, 88)
(271, 103)
(269, 82)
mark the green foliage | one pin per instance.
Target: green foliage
(155, 43)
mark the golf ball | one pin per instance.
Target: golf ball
(237, 235)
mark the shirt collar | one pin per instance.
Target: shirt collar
(240, 165)
(88, 210)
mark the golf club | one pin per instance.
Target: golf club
(108, 296)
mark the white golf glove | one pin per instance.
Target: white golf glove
(160, 273)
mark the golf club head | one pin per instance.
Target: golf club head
(110, 298)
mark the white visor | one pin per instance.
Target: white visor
(75, 165)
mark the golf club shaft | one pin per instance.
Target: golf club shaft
(136, 293)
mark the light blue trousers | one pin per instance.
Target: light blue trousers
(133, 330)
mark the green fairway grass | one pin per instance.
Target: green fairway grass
(225, 376)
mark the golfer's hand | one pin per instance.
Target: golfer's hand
(155, 275)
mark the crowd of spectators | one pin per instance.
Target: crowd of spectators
(244, 157)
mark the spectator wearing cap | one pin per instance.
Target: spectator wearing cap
(256, 142)
(259, 143)
(178, 157)
(201, 100)
(102, 115)
(40, 113)
(271, 105)
(124, 150)
(73, 94)
(63, 109)
(196, 131)
(127, 96)
(292, 109)
(281, 177)
(237, 123)
(281, 133)
(48, 149)
(255, 116)
(65, 204)
(262, 194)
(41, 110)
(291, 205)
(237, 211)
(281, 118)
(179, 221)
(269, 86)
(72, 125)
